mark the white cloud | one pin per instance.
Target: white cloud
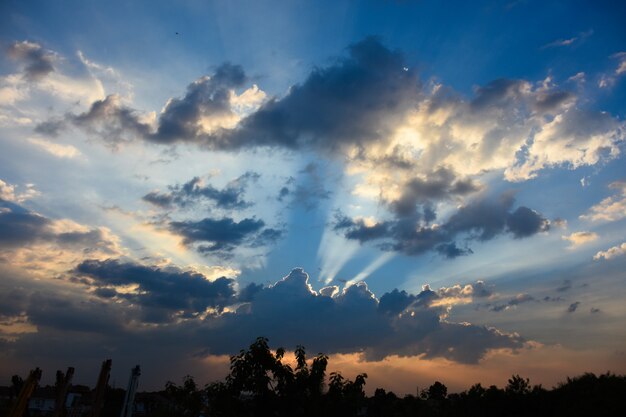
(611, 252)
(611, 208)
(621, 66)
(56, 149)
(8, 192)
(580, 238)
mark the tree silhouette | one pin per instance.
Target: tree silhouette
(261, 383)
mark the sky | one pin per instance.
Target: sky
(422, 190)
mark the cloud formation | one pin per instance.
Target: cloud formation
(354, 320)
(414, 147)
(221, 236)
(47, 246)
(573, 307)
(580, 238)
(610, 253)
(307, 190)
(230, 197)
(372, 109)
(114, 300)
(611, 208)
(37, 61)
(513, 302)
(163, 293)
(481, 220)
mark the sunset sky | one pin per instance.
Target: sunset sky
(423, 190)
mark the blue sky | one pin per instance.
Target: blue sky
(449, 177)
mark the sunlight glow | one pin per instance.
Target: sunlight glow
(333, 253)
(373, 266)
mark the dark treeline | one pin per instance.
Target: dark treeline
(261, 383)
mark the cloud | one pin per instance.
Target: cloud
(221, 236)
(482, 219)
(611, 208)
(570, 41)
(423, 192)
(572, 307)
(8, 193)
(513, 302)
(609, 80)
(308, 190)
(230, 197)
(565, 286)
(47, 246)
(119, 308)
(163, 293)
(42, 82)
(580, 238)
(20, 227)
(610, 253)
(112, 121)
(371, 108)
(37, 61)
(210, 104)
(58, 150)
(354, 320)
(621, 66)
(573, 138)
(414, 147)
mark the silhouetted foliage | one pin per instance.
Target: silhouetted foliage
(261, 383)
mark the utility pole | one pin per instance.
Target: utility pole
(129, 398)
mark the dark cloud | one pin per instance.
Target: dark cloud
(354, 320)
(358, 99)
(20, 227)
(565, 286)
(169, 289)
(525, 222)
(158, 199)
(554, 100)
(223, 235)
(572, 307)
(548, 298)
(515, 301)
(451, 250)
(230, 197)
(50, 127)
(37, 61)
(206, 97)
(482, 219)
(441, 184)
(112, 121)
(52, 310)
(159, 319)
